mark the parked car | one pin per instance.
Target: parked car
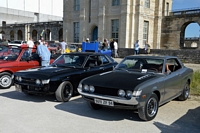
(71, 48)
(17, 42)
(15, 58)
(140, 83)
(63, 76)
(54, 47)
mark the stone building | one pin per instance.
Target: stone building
(20, 25)
(123, 20)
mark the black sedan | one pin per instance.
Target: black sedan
(63, 76)
(139, 82)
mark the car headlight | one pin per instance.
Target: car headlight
(20, 79)
(80, 87)
(17, 78)
(121, 93)
(91, 89)
(45, 81)
(37, 82)
(86, 88)
(129, 94)
(137, 93)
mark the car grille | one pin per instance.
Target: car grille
(28, 80)
(106, 91)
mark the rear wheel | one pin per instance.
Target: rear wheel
(64, 91)
(185, 93)
(94, 106)
(5, 80)
(149, 111)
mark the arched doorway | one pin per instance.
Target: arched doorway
(12, 35)
(19, 35)
(95, 33)
(60, 34)
(47, 35)
(190, 32)
(34, 35)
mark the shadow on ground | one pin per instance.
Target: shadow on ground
(25, 97)
(79, 106)
(189, 123)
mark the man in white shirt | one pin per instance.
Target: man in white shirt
(30, 45)
(115, 49)
(63, 45)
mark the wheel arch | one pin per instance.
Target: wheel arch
(157, 93)
(8, 71)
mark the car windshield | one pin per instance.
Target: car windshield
(67, 60)
(141, 64)
(9, 53)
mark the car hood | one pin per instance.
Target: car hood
(118, 79)
(44, 72)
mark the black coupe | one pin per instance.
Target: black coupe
(63, 76)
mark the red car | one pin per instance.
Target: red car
(15, 58)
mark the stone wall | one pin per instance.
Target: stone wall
(185, 55)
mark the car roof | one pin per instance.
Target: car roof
(151, 56)
(85, 53)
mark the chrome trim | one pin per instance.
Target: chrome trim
(132, 101)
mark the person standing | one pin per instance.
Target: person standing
(112, 47)
(30, 45)
(44, 54)
(63, 45)
(136, 47)
(105, 45)
(146, 48)
(115, 48)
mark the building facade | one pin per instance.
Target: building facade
(20, 25)
(123, 20)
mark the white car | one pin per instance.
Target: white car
(17, 42)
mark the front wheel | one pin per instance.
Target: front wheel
(64, 91)
(5, 80)
(185, 93)
(149, 111)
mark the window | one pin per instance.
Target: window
(147, 4)
(76, 31)
(76, 5)
(115, 2)
(145, 31)
(173, 65)
(115, 29)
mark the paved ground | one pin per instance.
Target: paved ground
(21, 113)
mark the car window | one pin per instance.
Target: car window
(104, 60)
(70, 60)
(142, 64)
(92, 61)
(173, 64)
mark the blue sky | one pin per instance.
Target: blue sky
(192, 30)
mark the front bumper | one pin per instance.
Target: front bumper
(33, 89)
(119, 102)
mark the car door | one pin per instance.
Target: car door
(172, 81)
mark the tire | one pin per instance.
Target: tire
(149, 111)
(64, 91)
(185, 93)
(94, 106)
(5, 80)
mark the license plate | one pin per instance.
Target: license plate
(104, 102)
(18, 88)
